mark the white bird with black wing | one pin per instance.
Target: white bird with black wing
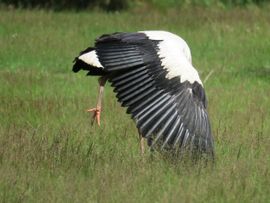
(153, 76)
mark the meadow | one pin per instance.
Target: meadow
(50, 152)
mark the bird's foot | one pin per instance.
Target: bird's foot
(96, 115)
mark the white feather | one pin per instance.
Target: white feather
(91, 59)
(175, 56)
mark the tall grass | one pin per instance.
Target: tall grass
(50, 152)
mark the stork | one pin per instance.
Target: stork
(153, 76)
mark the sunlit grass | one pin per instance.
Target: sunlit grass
(50, 152)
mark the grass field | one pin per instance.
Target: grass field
(49, 152)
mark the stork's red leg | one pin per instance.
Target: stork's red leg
(142, 141)
(96, 116)
(142, 145)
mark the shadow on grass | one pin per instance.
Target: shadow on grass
(255, 73)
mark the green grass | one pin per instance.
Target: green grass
(50, 152)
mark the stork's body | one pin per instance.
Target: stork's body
(153, 76)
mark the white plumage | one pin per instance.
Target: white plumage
(91, 59)
(174, 52)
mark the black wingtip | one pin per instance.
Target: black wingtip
(80, 65)
(77, 66)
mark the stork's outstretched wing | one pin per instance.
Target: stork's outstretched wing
(154, 78)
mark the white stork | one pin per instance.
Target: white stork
(153, 76)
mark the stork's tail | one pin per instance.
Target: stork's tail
(88, 60)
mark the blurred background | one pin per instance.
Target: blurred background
(117, 5)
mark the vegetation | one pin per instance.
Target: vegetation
(49, 152)
(112, 5)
